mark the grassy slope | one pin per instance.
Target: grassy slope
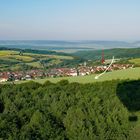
(120, 74)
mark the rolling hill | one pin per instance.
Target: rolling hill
(67, 46)
(17, 59)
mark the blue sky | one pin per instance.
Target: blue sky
(70, 19)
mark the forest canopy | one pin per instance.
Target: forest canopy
(65, 111)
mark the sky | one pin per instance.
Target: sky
(70, 20)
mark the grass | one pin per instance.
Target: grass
(120, 74)
(135, 61)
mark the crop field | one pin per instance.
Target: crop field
(120, 74)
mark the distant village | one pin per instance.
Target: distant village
(58, 72)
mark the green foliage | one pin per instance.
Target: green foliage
(64, 111)
(124, 92)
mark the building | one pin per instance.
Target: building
(4, 79)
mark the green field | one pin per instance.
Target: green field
(135, 61)
(120, 74)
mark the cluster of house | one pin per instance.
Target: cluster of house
(58, 72)
(20, 75)
(113, 67)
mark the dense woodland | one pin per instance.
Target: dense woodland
(69, 111)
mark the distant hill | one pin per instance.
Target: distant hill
(108, 53)
(67, 46)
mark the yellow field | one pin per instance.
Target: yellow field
(7, 53)
(14, 55)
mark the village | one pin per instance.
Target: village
(58, 72)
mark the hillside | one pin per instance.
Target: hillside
(17, 59)
(108, 53)
(103, 111)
